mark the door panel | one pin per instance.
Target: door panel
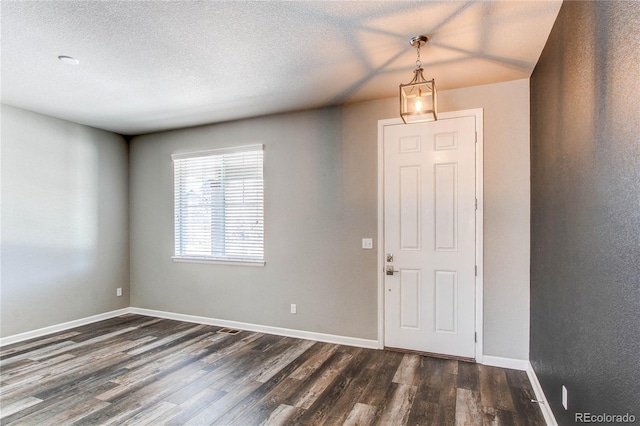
(445, 205)
(429, 227)
(410, 298)
(445, 301)
(410, 208)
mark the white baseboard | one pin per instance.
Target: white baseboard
(524, 365)
(61, 327)
(300, 334)
(267, 329)
(512, 363)
(544, 404)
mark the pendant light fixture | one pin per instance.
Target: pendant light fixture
(418, 101)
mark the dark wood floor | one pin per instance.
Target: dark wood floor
(137, 370)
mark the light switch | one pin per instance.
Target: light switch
(367, 243)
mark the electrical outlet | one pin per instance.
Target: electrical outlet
(565, 397)
(294, 308)
(119, 291)
(367, 243)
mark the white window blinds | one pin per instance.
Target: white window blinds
(219, 205)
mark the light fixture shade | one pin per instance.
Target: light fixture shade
(418, 100)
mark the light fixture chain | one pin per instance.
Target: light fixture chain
(418, 61)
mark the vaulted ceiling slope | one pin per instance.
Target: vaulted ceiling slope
(147, 66)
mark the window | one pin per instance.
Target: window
(219, 205)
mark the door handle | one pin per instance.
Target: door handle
(390, 270)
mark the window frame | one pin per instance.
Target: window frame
(212, 259)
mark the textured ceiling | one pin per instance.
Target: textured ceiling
(153, 65)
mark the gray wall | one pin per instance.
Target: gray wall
(321, 199)
(506, 211)
(64, 221)
(585, 223)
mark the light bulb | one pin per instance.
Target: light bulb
(418, 104)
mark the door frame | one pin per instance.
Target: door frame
(478, 114)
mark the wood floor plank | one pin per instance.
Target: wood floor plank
(376, 390)
(140, 370)
(468, 376)
(75, 346)
(20, 348)
(424, 410)
(342, 392)
(318, 383)
(150, 415)
(223, 348)
(76, 412)
(77, 374)
(37, 354)
(190, 390)
(192, 406)
(165, 340)
(31, 368)
(16, 390)
(396, 410)
(432, 370)
(258, 411)
(265, 364)
(530, 413)
(279, 361)
(429, 385)
(282, 415)
(361, 414)
(343, 405)
(517, 379)
(131, 403)
(447, 404)
(496, 417)
(468, 407)
(68, 372)
(56, 387)
(271, 394)
(225, 372)
(144, 372)
(57, 404)
(319, 358)
(9, 409)
(219, 406)
(76, 364)
(494, 389)
(406, 372)
(450, 366)
(486, 380)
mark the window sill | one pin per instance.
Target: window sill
(183, 259)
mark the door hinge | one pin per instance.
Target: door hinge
(476, 137)
(476, 270)
(475, 336)
(476, 204)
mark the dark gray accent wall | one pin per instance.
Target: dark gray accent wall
(585, 210)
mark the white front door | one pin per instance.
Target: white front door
(429, 236)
